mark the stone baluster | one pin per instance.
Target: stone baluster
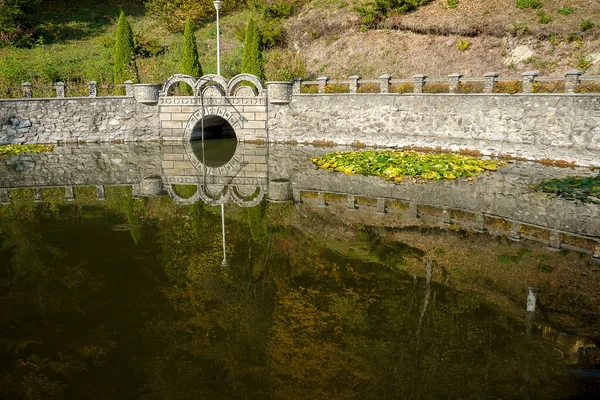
(555, 241)
(100, 192)
(529, 80)
(419, 82)
(321, 200)
(351, 202)
(384, 83)
(489, 81)
(322, 83)
(572, 80)
(515, 232)
(354, 83)
(38, 196)
(381, 210)
(446, 218)
(479, 223)
(129, 88)
(296, 86)
(454, 82)
(597, 252)
(4, 198)
(27, 90)
(69, 194)
(413, 210)
(93, 90)
(60, 89)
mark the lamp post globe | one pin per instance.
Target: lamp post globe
(217, 4)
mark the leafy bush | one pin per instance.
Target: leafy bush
(173, 14)
(510, 87)
(402, 88)
(252, 61)
(309, 89)
(15, 28)
(586, 25)
(375, 11)
(190, 62)
(588, 87)
(584, 62)
(369, 88)
(548, 87)
(522, 4)
(469, 87)
(566, 10)
(436, 87)
(284, 65)
(544, 18)
(451, 4)
(336, 88)
(463, 44)
(124, 55)
(585, 189)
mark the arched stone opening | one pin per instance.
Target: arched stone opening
(219, 144)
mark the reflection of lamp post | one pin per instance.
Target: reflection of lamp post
(224, 263)
(217, 5)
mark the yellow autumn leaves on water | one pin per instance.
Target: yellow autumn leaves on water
(12, 149)
(393, 165)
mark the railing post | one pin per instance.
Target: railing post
(572, 80)
(26, 90)
(454, 81)
(419, 82)
(128, 88)
(93, 91)
(529, 80)
(354, 83)
(384, 83)
(489, 81)
(296, 86)
(322, 83)
(60, 89)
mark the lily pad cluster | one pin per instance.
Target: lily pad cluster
(12, 149)
(393, 165)
(585, 189)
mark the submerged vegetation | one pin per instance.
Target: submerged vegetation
(586, 189)
(12, 149)
(393, 165)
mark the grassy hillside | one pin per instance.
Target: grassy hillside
(337, 38)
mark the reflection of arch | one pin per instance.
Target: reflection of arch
(190, 80)
(238, 79)
(210, 80)
(203, 193)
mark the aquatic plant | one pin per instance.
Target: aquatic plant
(394, 165)
(12, 149)
(585, 189)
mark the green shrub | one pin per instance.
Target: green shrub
(548, 87)
(284, 65)
(566, 10)
(436, 87)
(544, 18)
(584, 62)
(15, 26)
(124, 53)
(336, 88)
(252, 61)
(369, 88)
(451, 4)
(469, 87)
(402, 88)
(510, 87)
(522, 4)
(588, 87)
(463, 44)
(190, 62)
(586, 25)
(375, 11)
(309, 89)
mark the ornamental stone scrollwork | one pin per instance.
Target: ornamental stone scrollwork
(211, 85)
(239, 79)
(190, 80)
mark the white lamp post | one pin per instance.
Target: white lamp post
(217, 5)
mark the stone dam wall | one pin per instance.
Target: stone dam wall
(530, 126)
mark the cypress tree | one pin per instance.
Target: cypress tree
(252, 61)
(125, 67)
(190, 62)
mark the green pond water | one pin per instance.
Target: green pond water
(123, 294)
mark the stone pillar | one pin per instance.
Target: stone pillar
(385, 81)
(446, 219)
(27, 90)
(4, 199)
(322, 83)
(529, 80)
(454, 81)
(554, 241)
(381, 206)
(100, 192)
(321, 200)
(38, 197)
(489, 81)
(354, 83)
(596, 255)
(297, 84)
(351, 202)
(479, 223)
(515, 232)
(93, 91)
(572, 80)
(419, 81)
(60, 89)
(69, 195)
(128, 88)
(413, 209)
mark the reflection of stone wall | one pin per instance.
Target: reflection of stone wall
(504, 193)
(102, 119)
(559, 127)
(89, 164)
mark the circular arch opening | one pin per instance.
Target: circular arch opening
(219, 144)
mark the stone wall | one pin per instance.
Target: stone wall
(554, 126)
(100, 119)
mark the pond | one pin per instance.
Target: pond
(163, 271)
